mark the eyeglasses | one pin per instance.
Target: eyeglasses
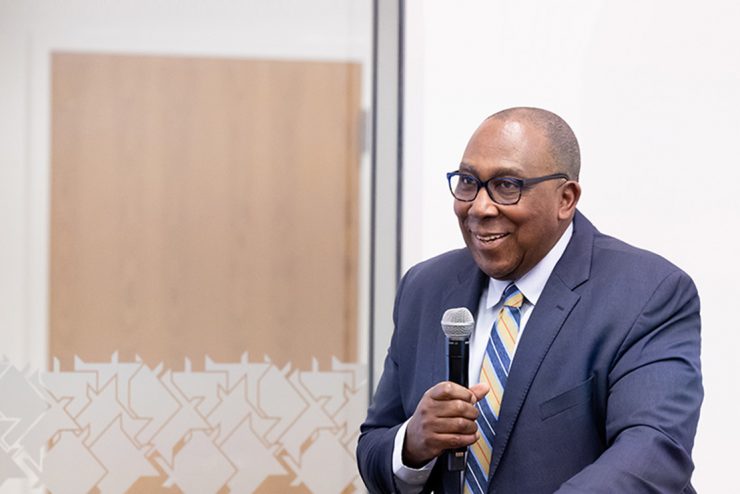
(505, 191)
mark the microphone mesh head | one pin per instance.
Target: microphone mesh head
(458, 323)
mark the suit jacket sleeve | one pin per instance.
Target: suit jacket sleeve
(385, 416)
(654, 395)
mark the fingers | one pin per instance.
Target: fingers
(418, 450)
(480, 390)
(443, 419)
(449, 391)
(422, 443)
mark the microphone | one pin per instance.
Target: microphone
(457, 325)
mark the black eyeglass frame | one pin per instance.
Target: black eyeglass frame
(520, 183)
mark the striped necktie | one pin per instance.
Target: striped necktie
(494, 371)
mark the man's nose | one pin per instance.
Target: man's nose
(483, 205)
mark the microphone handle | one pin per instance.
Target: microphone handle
(458, 354)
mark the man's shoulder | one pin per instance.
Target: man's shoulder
(447, 265)
(619, 259)
(613, 264)
(612, 247)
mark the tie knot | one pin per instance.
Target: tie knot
(513, 297)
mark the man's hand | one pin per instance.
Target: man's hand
(444, 419)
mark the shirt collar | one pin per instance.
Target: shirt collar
(533, 282)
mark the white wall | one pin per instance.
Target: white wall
(652, 90)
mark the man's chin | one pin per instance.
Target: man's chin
(494, 270)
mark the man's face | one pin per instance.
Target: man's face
(508, 241)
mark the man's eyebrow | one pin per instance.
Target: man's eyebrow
(501, 172)
(466, 168)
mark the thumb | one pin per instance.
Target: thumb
(479, 390)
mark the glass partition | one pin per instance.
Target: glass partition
(197, 239)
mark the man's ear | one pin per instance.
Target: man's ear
(570, 192)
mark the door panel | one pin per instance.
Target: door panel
(203, 207)
(203, 273)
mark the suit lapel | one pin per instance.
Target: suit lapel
(463, 292)
(548, 317)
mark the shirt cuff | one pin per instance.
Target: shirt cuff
(408, 479)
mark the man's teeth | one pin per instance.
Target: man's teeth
(489, 238)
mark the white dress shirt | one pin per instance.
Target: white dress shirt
(411, 480)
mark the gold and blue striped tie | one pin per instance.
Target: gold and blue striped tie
(494, 371)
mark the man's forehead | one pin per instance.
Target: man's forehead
(505, 140)
(509, 130)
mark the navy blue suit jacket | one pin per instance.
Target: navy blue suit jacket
(604, 391)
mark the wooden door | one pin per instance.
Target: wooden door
(203, 207)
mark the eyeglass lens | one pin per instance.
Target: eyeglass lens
(502, 191)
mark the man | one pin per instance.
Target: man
(589, 348)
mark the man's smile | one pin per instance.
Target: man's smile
(489, 237)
